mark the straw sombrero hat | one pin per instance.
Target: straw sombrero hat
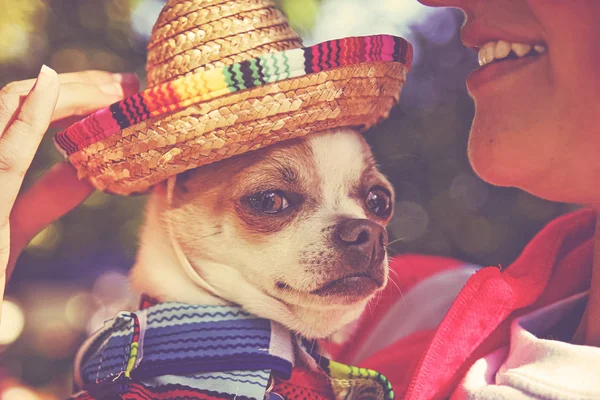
(226, 77)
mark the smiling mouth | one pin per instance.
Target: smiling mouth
(499, 58)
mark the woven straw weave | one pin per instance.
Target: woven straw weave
(195, 35)
(188, 39)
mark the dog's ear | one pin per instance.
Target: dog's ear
(182, 180)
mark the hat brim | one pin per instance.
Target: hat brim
(219, 113)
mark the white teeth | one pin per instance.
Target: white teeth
(480, 58)
(500, 49)
(521, 49)
(486, 54)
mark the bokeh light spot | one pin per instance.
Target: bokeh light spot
(15, 42)
(70, 60)
(13, 322)
(78, 311)
(98, 200)
(57, 340)
(410, 221)
(47, 240)
(440, 28)
(111, 285)
(301, 13)
(469, 191)
(143, 16)
(19, 393)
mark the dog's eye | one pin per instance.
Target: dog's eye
(269, 202)
(379, 202)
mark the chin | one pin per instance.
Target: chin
(508, 152)
(534, 160)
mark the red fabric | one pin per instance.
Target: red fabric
(136, 391)
(429, 364)
(399, 361)
(406, 271)
(555, 265)
(304, 385)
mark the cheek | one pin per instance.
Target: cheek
(297, 254)
(201, 233)
(572, 29)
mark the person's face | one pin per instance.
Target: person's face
(537, 118)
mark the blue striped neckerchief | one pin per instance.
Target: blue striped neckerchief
(222, 350)
(214, 348)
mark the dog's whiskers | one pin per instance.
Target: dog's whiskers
(389, 245)
(370, 308)
(396, 284)
(194, 240)
(396, 241)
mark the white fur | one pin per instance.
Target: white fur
(338, 157)
(244, 273)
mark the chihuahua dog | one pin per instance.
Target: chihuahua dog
(294, 233)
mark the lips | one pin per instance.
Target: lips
(476, 34)
(500, 54)
(481, 77)
(355, 285)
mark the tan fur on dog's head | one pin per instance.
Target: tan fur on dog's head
(294, 232)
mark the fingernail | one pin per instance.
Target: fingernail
(45, 77)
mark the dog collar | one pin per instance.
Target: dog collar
(210, 348)
(178, 350)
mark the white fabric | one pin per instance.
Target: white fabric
(534, 368)
(422, 307)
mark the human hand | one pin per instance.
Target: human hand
(27, 108)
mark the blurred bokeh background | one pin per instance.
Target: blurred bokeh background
(72, 276)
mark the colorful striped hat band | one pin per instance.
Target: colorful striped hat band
(181, 93)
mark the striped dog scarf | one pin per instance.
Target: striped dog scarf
(174, 351)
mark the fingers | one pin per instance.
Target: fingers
(52, 196)
(26, 110)
(81, 93)
(82, 98)
(94, 77)
(21, 134)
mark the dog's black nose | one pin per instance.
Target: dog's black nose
(363, 242)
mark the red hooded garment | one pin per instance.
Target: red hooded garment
(429, 363)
